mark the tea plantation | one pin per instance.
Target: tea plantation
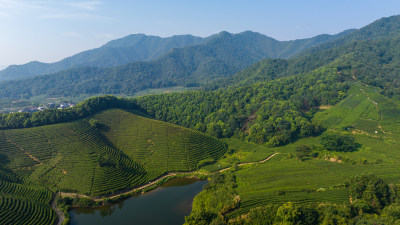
(22, 202)
(105, 153)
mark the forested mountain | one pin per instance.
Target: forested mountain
(135, 47)
(370, 53)
(140, 47)
(201, 63)
(283, 90)
(222, 55)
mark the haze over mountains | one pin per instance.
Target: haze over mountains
(219, 55)
(135, 47)
(177, 61)
(140, 47)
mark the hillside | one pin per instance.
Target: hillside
(222, 55)
(135, 47)
(109, 151)
(321, 180)
(119, 150)
(23, 202)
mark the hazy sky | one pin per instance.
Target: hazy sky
(48, 31)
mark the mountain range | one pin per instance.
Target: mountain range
(182, 61)
(219, 55)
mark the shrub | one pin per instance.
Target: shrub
(338, 142)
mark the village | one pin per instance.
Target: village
(33, 109)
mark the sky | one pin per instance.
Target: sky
(48, 31)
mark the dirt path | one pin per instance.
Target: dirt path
(373, 102)
(242, 164)
(63, 194)
(60, 215)
(25, 152)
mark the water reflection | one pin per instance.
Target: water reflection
(168, 204)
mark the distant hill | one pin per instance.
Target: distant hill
(140, 47)
(135, 47)
(222, 55)
(370, 53)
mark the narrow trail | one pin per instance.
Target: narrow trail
(64, 194)
(373, 102)
(242, 164)
(60, 215)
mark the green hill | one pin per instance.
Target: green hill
(103, 152)
(118, 151)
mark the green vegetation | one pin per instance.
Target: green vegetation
(338, 142)
(331, 112)
(135, 47)
(220, 55)
(52, 116)
(276, 112)
(319, 189)
(23, 202)
(107, 152)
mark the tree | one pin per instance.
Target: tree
(288, 213)
(303, 151)
(338, 142)
(369, 189)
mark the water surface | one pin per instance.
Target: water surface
(167, 205)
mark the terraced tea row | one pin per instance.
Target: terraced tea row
(122, 151)
(97, 156)
(22, 202)
(158, 145)
(15, 211)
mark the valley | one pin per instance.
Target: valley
(278, 132)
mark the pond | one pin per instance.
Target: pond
(168, 204)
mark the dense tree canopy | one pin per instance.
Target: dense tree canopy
(52, 116)
(275, 112)
(336, 141)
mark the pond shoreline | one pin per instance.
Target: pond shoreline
(173, 199)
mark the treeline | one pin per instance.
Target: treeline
(222, 55)
(372, 201)
(276, 112)
(52, 116)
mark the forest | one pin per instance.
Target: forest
(299, 134)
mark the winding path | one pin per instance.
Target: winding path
(60, 215)
(64, 194)
(242, 164)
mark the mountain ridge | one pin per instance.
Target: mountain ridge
(223, 55)
(141, 47)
